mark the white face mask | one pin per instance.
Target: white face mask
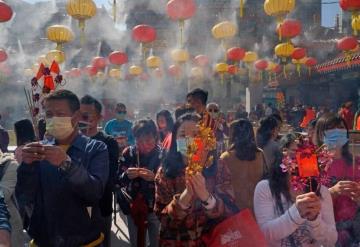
(59, 127)
(182, 145)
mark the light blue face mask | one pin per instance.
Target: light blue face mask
(182, 145)
(335, 138)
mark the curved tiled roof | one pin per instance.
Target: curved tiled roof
(339, 64)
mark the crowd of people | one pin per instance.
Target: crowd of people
(57, 188)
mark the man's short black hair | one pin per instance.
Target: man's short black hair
(121, 105)
(67, 95)
(89, 100)
(145, 127)
(182, 110)
(200, 94)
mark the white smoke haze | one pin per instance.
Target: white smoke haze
(24, 38)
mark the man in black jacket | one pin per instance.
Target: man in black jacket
(90, 110)
(138, 167)
(64, 182)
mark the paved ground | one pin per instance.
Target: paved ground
(119, 236)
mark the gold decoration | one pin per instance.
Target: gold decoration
(200, 148)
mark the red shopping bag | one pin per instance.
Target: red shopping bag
(239, 230)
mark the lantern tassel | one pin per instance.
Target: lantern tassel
(280, 32)
(181, 25)
(59, 47)
(241, 8)
(82, 32)
(309, 71)
(298, 67)
(284, 70)
(114, 10)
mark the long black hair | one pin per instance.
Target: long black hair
(330, 121)
(279, 182)
(265, 131)
(173, 163)
(169, 121)
(242, 140)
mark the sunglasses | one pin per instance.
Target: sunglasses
(213, 110)
(121, 112)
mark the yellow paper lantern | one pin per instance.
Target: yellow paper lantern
(100, 75)
(55, 55)
(59, 34)
(298, 63)
(135, 70)
(284, 50)
(221, 68)
(250, 57)
(115, 73)
(355, 24)
(43, 60)
(180, 55)
(197, 73)
(223, 30)
(271, 66)
(81, 10)
(153, 62)
(279, 8)
(28, 72)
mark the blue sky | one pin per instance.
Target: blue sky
(329, 11)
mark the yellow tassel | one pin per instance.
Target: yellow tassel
(241, 8)
(348, 58)
(181, 25)
(284, 69)
(298, 67)
(82, 31)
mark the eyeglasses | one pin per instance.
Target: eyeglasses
(213, 110)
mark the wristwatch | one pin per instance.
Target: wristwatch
(66, 164)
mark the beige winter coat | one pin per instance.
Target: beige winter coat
(7, 185)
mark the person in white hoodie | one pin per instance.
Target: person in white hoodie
(293, 218)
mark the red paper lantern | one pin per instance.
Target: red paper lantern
(3, 55)
(347, 43)
(179, 10)
(75, 72)
(233, 69)
(5, 69)
(5, 12)
(310, 62)
(99, 62)
(235, 54)
(118, 58)
(158, 73)
(91, 70)
(261, 64)
(144, 77)
(277, 69)
(350, 5)
(289, 28)
(201, 60)
(298, 53)
(144, 33)
(174, 70)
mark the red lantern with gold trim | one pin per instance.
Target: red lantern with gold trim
(235, 54)
(118, 58)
